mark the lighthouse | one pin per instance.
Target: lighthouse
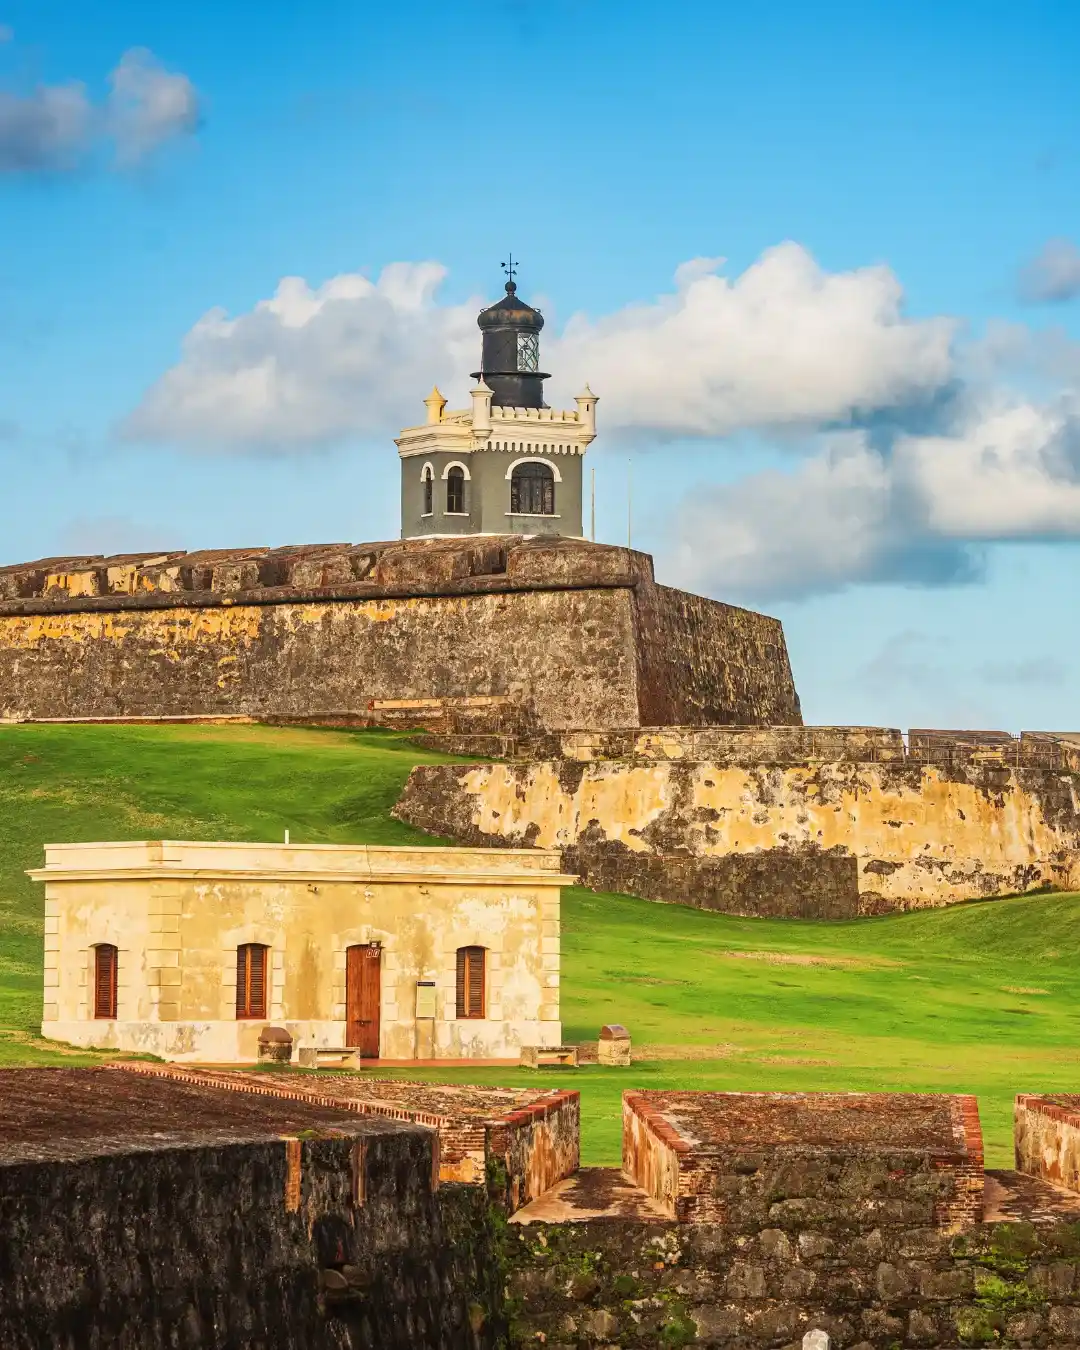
(508, 464)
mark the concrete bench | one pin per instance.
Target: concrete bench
(311, 1057)
(548, 1056)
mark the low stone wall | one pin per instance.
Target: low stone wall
(744, 746)
(1047, 1137)
(720, 745)
(822, 840)
(145, 1211)
(853, 1160)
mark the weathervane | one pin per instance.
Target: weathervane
(509, 267)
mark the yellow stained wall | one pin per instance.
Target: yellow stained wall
(177, 919)
(922, 835)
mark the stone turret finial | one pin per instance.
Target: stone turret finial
(586, 405)
(435, 403)
(481, 408)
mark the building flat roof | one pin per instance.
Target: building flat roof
(431, 864)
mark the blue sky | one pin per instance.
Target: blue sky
(864, 420)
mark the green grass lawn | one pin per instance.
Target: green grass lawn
(981, 998)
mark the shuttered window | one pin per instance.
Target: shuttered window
(251, 980)
(470, 981)
(105, 965)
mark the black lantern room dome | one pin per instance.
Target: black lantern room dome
(510, 310)
(511, 352)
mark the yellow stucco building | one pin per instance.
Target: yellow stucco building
(189, 950)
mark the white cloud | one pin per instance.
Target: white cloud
(784, 344)
(1053, 274)
(148, 105)
(56, 127)
(46, 130)
(310, 366)
(907, 511)
(1012, 472)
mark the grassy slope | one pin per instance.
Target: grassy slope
(978, 998)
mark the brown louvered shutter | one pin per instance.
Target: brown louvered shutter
(251, 980)
(470, 982)
(105, 968)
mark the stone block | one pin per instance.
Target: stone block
(746, 1281)
(929, 1243)
(893, 1283)
(778, 1323)
(947, 1284)
(816, 1339)
(1063, 1325)
(613, 1046)
(716, 1326)
(774, 1245)
(798, 1283)
(923, 1328)
(815, 1246)
(1025, 1328)
(601, 1323)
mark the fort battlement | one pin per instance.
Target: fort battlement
(801, 822)
(474, 633)
(284, 1211)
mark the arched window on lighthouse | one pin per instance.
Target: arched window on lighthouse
(455, 491)
(427, 483)
(532, 490)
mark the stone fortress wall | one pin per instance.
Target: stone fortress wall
(483, 633)
(159, 1208)
(812, 822)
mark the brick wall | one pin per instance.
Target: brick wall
(537, 1146)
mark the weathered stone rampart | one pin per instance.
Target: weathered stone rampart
(813, 839)
(145, 1211)
(746, 745)
(642, 1285)
(530, 1138)
(150, 1214)
(475, 634)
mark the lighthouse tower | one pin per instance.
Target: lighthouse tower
(508, 464)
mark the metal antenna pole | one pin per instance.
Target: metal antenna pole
(592, 526)
(629, 498)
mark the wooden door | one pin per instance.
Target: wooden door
(362, 998)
